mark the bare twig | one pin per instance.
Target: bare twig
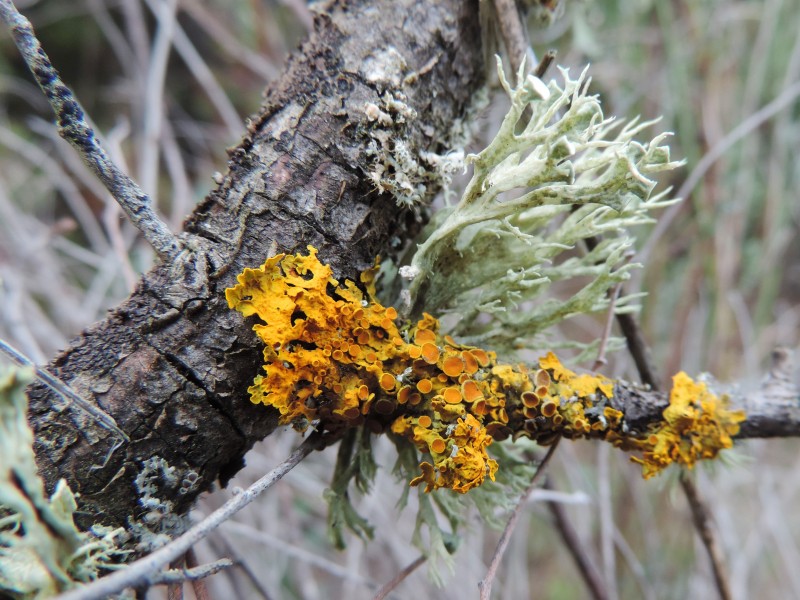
(586, 567)
(399, 578)
(512, 32)
(198, 583)
(607, 554)
(612, 307)
(232, 550)
(63, 390)
(700, 514)
(701, 517)
(178, 576)
(485, 585)
(141, 572)
(73, 126)
(544, 65)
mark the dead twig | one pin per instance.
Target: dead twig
(701, 517)
(612, 306)
(700, 513)
(399, 578)
(512, 32)
(197, 573)
(485, 585)
(586, 566)
(73, 127)
(64, 391)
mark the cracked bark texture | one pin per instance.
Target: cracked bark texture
(172, 363)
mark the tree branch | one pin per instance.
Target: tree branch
(171, 364)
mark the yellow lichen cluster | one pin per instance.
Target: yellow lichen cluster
(697, 425)
(336, 357)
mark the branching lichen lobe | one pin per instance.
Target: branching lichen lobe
(337, 358)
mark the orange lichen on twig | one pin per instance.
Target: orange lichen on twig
(697, 425)
(336, 358)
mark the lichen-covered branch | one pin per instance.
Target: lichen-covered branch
(335, 358)
(171, 363)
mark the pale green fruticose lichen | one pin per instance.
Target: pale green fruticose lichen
(42, 552)
(552, 177)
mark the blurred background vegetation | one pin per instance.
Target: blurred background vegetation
(169, 84)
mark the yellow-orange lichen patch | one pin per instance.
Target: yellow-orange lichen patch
(335, 356)
(471, 391)
(467, 466)
(471, 365)
(452, 395)
(697, 425)
(423, 336)
(424, 386)
(404, 394)
(484, 358)
(430, 353)
(530, 400)
(387, 382)
(549, 408)
(438, 445)
(453, 366)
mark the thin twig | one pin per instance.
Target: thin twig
(178, 576)
(612, 307)
(63, 390)
(607, 554)
(485, 585)
(199, 583)
(701, 517)
(512, 32)
(586, 567)
(541, 69)
(141, 572)
(73, 127)
(700, 514)
(399, 578)
(175, 588)
(232, 550)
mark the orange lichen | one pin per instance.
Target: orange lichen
(453, 366)
(424, 386)
(471, 391)
(336, 357)
(697, 425)
(452, 395)
(430, 353)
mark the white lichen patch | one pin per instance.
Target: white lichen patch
(386, 66)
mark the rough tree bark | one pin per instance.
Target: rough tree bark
(171, 364)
